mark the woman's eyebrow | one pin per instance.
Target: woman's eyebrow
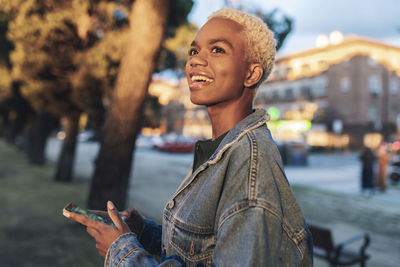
(213, 41)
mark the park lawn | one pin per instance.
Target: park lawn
(33, 231)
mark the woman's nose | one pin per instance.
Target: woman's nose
(198, 60)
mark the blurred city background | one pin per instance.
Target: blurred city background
(94, 105)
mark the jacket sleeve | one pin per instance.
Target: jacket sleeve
(150, 237)
(127, 251)
(251, 229)
(250, 237)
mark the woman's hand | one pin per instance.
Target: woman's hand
(104, 234)
(131, 217)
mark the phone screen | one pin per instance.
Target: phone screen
(74, 208)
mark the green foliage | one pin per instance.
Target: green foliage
(5, 64)
(172, 55)
(5, 80)
(5, 45)
(279, 23)
(67, 53)
(45, 39)
(152, 112)
(177, 47)
(178, 15)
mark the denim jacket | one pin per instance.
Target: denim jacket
(236, 209)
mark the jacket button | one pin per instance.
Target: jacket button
(171, 204)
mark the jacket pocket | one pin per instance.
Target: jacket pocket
(194, 244)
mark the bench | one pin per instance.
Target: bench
(339, 254)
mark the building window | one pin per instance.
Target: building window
(374, 84)
(373, 113)
(345, 84)
(305, 91)
(374, 116)
(372, 61)
(289, 93)
(394, 112)
(394, 86)
(275, 95)
(319, 88)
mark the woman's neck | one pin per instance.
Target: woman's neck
(225, 118)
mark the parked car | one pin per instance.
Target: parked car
(177, 144)
(176, 147)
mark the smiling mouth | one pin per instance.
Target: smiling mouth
(202, 79)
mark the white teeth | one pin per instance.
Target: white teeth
(200, 78)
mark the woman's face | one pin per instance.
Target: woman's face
(217, 68)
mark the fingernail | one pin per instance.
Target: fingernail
(110, 205)
(67, 214)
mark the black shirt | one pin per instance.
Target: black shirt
(204, 150)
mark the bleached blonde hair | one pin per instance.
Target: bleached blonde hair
(260, 39)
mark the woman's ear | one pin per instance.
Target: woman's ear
(254, 75)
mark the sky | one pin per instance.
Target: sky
(377, 19)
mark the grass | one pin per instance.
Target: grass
(347, 215)
(363, 212)
(33, 231)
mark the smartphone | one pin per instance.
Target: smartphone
(71, 207)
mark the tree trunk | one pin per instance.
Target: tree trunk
(19, 110)
(110, 180)
(66, 157)
(4, 122)
(16, 126)
(38, 133)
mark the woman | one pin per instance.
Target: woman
(235, 208)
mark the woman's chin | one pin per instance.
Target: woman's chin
(197, 100)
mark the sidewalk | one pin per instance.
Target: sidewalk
(337, 203)
(335, 172)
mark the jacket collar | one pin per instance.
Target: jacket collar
(256, 119)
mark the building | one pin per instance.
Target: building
(346, 87)
(195, 119)
(179, 114)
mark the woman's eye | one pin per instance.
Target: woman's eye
(193, 52)
(217, 50)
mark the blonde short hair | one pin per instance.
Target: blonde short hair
(260, 39)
